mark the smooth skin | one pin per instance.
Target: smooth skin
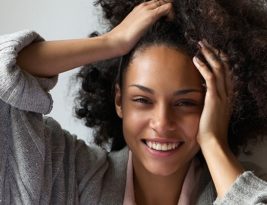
(51, 58)
(160, 101)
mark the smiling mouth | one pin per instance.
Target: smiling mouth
(163, 147)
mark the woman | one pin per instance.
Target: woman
(159, 97)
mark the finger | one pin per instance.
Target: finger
(223, 57)
(158, 8)
(211, 55)
(219, 53)
(170, 13)
(217, 68)
(216, 51)
(165, 9)
(228, 74)
(154, 4)
(207, 75)
(148, 5)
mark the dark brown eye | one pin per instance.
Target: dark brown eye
(142, 100)
(186, 103)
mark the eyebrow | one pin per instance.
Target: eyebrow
(178, 92)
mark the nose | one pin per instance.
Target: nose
(163, 120)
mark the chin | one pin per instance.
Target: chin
(163, 169)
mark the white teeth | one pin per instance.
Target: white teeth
(162, 146)
(158, 147)
(173, 146)
(169, 146)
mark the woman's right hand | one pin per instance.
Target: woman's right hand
(130, 30)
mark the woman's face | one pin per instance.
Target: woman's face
(160, 106)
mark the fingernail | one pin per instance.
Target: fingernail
(201, 44)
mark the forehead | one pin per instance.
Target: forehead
(162, 66)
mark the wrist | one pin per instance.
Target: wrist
(223, 165)
(210, 141)
(115, 44)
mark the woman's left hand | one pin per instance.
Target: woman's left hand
(224, 167)
(217, 106)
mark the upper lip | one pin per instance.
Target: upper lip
(163, 140)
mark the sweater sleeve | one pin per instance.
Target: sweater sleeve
(40, 163)
(17, 87)
(248, 189)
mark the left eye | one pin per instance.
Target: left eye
(186, 103)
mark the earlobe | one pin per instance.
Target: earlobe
(118, 100)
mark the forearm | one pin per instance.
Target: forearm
(223, 165)
(50, 58)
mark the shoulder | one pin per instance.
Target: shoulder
(114, 182)
(108, 181)
(100, 175)
(63, 141)
(72, 154)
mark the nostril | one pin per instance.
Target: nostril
(162, 125)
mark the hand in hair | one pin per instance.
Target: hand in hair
(137, 22)
(214, 121)
(217, 106)
(54, 57)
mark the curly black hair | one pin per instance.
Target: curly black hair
(238, 28)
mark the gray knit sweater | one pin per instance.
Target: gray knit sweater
(42, 164)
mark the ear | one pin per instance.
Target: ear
(118, 100)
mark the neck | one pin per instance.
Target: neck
(153, 189)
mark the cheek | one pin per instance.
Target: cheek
(134, 123)
(189, 125)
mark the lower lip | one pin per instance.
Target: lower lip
(163, 154)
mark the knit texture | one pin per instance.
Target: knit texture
(40, 163)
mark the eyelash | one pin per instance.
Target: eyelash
(142, 101)
(186, 103)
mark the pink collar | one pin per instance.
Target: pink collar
(189, 188)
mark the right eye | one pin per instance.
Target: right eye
(142, 100)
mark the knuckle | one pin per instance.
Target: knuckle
(218, 67)
(142, 5)
(206, 50)
(151, 16)
(224, 59)
(210, 77)
(213, 57)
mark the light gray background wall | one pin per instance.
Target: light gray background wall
(55, 19)
(65, 19)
